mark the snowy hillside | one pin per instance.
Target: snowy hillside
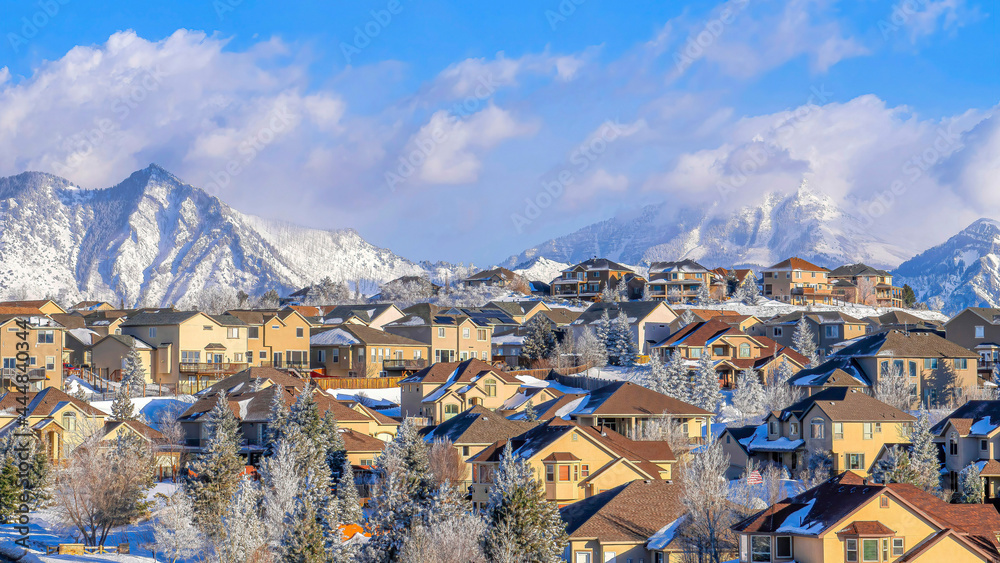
(153, 239)
(807, 224)
(964, 271)
(541, 269)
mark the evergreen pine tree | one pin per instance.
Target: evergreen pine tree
(242, 535)
(133, 373)
(748, 398)
(603, 332)
(529, 411)
(10, 490)
(677, 382)
(277, 419)
(706, 393)
(592, 349)
(971, 485)
(704, 295)
(894, 468)
(122, 408)
(348, 501)
(687, 317)
(518, 514)
(655, 376)
(540, 341)
(622, 347)
(924, 459)
(217, 471)
(804, 340)
(304, 540)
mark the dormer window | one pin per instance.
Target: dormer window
(793, 428)
(774, 427)
(818, 426)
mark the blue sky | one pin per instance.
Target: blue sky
(492, 102)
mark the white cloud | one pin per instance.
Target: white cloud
(926, 17)
(472, 77)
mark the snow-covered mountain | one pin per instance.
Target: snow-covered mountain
(964, 271)
(153, 239)
(541, 269)
(807, 224)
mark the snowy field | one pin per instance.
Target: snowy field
(767, 308)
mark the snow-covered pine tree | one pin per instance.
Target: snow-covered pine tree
(133, 373)
(540, 341)
(281, 484)
(539, 534)
(747, 292)
(687, 317)
(348, 501)
(677, 381)
(894, 467)
(971, 489)
(177, 538)
(603, 331)
(706, 497)
(804, 340)
(122, 408)
(592, 349)
(778, 393)
(924, 459)
(705, 392)
(748, 398)
(529, 412)
(277, 420)
(704, 296)
(242, 537)
(622, 347)
(217, 471)
(892, 386)
(655, 374)
(304, 538)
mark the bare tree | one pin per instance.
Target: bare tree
(458, 539)
(446, 465)
(892, 387)
(706, 498)
(866, 291)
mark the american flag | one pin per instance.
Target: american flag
(754, 478)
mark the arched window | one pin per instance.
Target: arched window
(818, 426)
(744, 350)
(69, 421)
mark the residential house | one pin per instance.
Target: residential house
(276, 338)
(627, 408)
(497, 277)
(860, 283)
(682, 281)
(731, 350)
(735, 278)
(588, 279)
(356, 350)
(108, 356)
(937, 369)
(574, 462)
(521, 310)
(561, 316)
(192, 350)
(59, 420)
(849, 518)
(798, 282)
(844, 421)
(361, 448)
(829, 327)
(445, 389)
(971, 434)
(649, 321)
(977, 329)
(904, 322)
(87, 306)
(42, 360)
(106, 322)
(43, 306)
(473, 431)
(450, 337)
(617, 524)
(374, 315)
(166, 457)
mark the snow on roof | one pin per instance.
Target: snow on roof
(440, 391)
(84, 335)
(564, 411)
(793, 524)
(333, 337)
(662, 538)
(508, 339)
(983, 427)
(531, 381)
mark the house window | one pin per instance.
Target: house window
(832, 331)
(50, 363)
(694, 352)
(783, 547)
(564, 473)
(852, 550)
(930, 363)
(299, 332)
(416, 354)
(897, 546)
(778, 332)
(585, 471)
(760, 548)
(883, 502)
(818, 425)
(980, 332)
(913, 369)
(321, 356)
(232, 333)
(253, 332)
(263, 355)
(491, 387)
(855, 461)
(878, 427)
(450, 411)
(719, 351)
(983, 445)
(550, 473)
(793, 428)
(744, 350)
(838, 430)
(190, 356)
(774, 427)
(953, 449)
(69, 421)
(465, 451)
(206, 327)
(152, 332)
(238, 357)
(46, 337)
(481, 334)
(885, 549)
(466, 333)
(440, 332)
(961, 363)
(869, 550)
(866, 428)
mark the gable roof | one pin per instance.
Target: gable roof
(795, 263)
(634, 310)
(685, 265)
(457, 372)
(623, 514)
(599, 264)
(972, 418)
(852, 270)
(350, 334)
(363, 312)
(45, 402)
(500, 272)
(627, 398)
(160, 318)
(898, 344)
(702, 333)
(478, 425)
(845, 404)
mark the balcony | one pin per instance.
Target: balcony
(286, 364)
(211, 367)
(394, 365)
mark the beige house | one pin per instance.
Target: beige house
(649, 321)
(626, 408)
(450, 337)
(108, 356)
(829, 327)
(798, 282)
(192, 350)
(588, 279)
(860, 283)
(355, 350)
(41, 360)
(445, 389)
(850, 519)
(938, 370)
(61, 422)
(276, 338)
(473, 431)
(846, 422)
(522, 310)
(971, 435)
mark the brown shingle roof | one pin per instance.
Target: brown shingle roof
(623, 514)
(45, 401)
(795, 263)
(843, 404)
(866, 528)
(629, 399)
(478, 425)
(441, 372)
(355, 441)
(368, 335)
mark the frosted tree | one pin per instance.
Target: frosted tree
(268, 300)
(817, 467)
(280, 487)
(133, 372)
(924, 459)
(705, 492)
(530, 414)
(243, 537)
(674, 295)
(216, 473)
(778, 392)
(970, 485)
(646, 295)
(895, 467)
(687, 317)
(747, 292)
(613, 292)
(540, 341)
(304, 537)
(458, 539)
(705, 392)
(704, 296)
(517, 497)
(892, 387)
(804, 340)
(348, 501)
(603, 330)
(591, 348)
(564, 354)
(995, 374)
(677, 381)
(655, 374)
(621, 347)
(748, 397)
(177, 538)
(122, 408)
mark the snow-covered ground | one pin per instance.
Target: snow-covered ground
(769, 308)
(152, 408)
(377, 398)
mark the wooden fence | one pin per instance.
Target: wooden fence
(326, 383)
